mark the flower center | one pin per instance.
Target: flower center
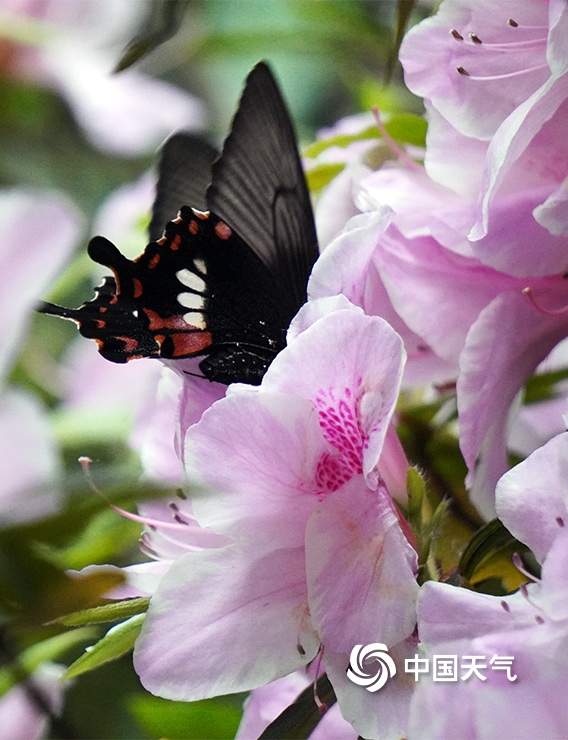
(341, 427)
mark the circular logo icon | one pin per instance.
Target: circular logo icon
(371, 666)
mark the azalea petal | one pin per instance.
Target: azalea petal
(316, 309)
(349, 267)
(533, 134)
(336, 205)
(126, 113)
(361, 570)
(29, 459)
(553, 213)
(476, 103)
(453, 160)
(422, 206)
(382, 715)
(23, 715)
(512, 233)
(531, 498)
(426, 282)
(267, 702)
(503, 348)
(257, 453)
(448, 613)
(534, 705)
(557, 53)
(245, 623)
(37, 235)
(344, 264)
(554, 583)
(350, 366)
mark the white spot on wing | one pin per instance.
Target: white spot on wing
(194, 319)
(191, 280)
(190, 300)
(200, 266)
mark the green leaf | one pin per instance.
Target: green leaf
(42, 652)
(298, 721)
(541, 387)
(106, 613)
(163, 23)
(416, 488)
(117, 641)
(322, 175)
(407, 128)
(342, 140)
(491, 538)
(211, 719)
(404, 10)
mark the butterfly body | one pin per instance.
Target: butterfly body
(222, 283)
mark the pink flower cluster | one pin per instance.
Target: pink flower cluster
(290, 548)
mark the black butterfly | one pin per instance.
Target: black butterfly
(223, 282)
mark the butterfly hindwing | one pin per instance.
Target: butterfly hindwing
(184, 173)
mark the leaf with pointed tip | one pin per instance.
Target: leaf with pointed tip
(47, 650)
(106, 613)
(117, 641)
(163, 23)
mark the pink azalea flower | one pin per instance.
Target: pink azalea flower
(532, 500)
(493, 343)
(80, 45)
(314, 553)
(38, 231)
(20, 716)
(335, 205)
(37, 234)
(531, 625)
(352, 265)
(499, 97)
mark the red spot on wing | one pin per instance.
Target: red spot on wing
(130, 344)
(175, 242)
(222, 230)
(154, 261)
(159, 323)
(191, 342)
(187, 340)
(193, 227)
(138, 290)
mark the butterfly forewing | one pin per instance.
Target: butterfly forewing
(258, 187)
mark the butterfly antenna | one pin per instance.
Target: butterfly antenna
(53, 310)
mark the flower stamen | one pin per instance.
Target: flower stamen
(541, 309)
(507, 75)
(85, 464)
(395, 148)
